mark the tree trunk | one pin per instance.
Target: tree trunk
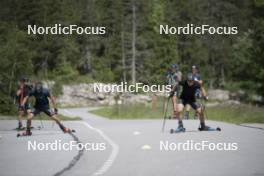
(123, 55)
(12, 78)
(88, 62)
(222, 76)
(133, 67)
(45, 62)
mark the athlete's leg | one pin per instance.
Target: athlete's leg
(179, 110)
(199, 110)
(56, 119)
(187, 111)
(178, 113)
(174, 104)
(200, 113)
(31, 114)
(198, 104)
(19, 118)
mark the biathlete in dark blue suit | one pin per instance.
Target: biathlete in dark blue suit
(42, 100)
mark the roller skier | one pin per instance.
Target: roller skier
(42, 100)
(189, 88)
(24, 89)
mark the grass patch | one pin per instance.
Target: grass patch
(237, 114)
(41, 117)
(232, 114)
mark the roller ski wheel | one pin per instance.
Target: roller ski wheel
(25, 133)
(68, 130)
(207, 128)
(178, 130)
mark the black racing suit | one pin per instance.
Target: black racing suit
(188, 94)
(42, 102)
(42, 105)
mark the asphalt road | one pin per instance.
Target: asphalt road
(132, 148)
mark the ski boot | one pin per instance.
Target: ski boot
(20, 127)
(178, 130)
(25, 133)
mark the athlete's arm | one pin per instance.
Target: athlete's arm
(24, 100)
(52, 100)
(174, 87)
(18, 92)
(179, 77)
(198, 81)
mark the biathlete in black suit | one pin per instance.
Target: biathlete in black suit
(189, 89)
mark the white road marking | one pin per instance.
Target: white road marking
(109, 162)
(146, 147)
(68, 112)
(136, 133)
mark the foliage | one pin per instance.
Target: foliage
(222, 59)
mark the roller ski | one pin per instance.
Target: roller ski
(25, 133)
(180, 129)
(207, 128)
(23, 128)
(20, 128)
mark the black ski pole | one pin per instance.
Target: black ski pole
(165, 114)
(164, 103)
